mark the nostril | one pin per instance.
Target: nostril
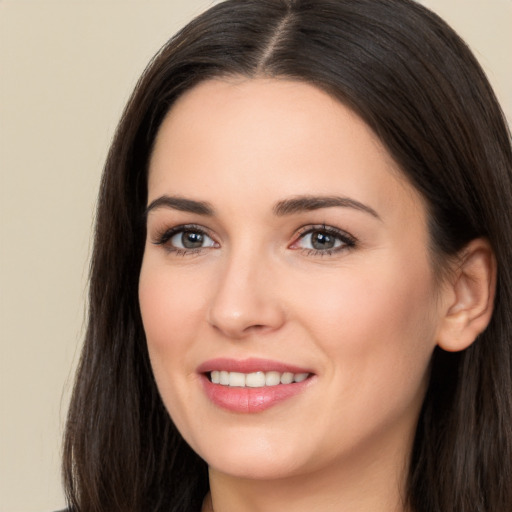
(238, 315)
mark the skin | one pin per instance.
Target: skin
(364, 319)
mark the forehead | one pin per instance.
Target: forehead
(257, 139)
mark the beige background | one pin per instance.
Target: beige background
(66, 70)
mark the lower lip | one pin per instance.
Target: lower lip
(251, 400)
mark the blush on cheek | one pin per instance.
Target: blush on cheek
(378, 322)
(160, 302)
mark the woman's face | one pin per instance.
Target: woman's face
(283, 244)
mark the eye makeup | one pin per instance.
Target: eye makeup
(323, 240)
(312, 240)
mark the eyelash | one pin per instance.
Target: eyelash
(163, 237)
(347, 241)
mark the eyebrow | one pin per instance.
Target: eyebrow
(282, 208)
(309, 203)
(181, 204)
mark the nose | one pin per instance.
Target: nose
(246, 299)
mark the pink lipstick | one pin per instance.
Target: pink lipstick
(252, 385)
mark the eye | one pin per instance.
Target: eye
(190, 239)
(184, 239)
(324, 239)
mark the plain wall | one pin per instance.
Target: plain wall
(66, 70)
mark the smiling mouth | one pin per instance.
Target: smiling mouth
(252, 385)
(258, 379)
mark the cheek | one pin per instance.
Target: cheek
(170, 303)
(377, 325)
(378, 299)
(171, 307)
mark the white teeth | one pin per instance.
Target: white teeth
(287, 378)
(236, 379)
(255, 379)
(272, 378)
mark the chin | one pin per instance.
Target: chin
(259, 459)
(257, 468)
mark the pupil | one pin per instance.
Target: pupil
(192, 240)
(321, 240)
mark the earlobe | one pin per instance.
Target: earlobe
(471, 293)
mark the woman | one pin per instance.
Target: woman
(301, 293)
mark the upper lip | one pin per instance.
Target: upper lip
(249, 366)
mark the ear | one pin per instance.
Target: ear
(469, 297)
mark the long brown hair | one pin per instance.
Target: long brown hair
(416, 84)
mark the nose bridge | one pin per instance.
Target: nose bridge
(245, 299)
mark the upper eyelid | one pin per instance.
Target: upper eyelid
(325, 227)
(348, 241)
(298, 234)
(168, 233)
